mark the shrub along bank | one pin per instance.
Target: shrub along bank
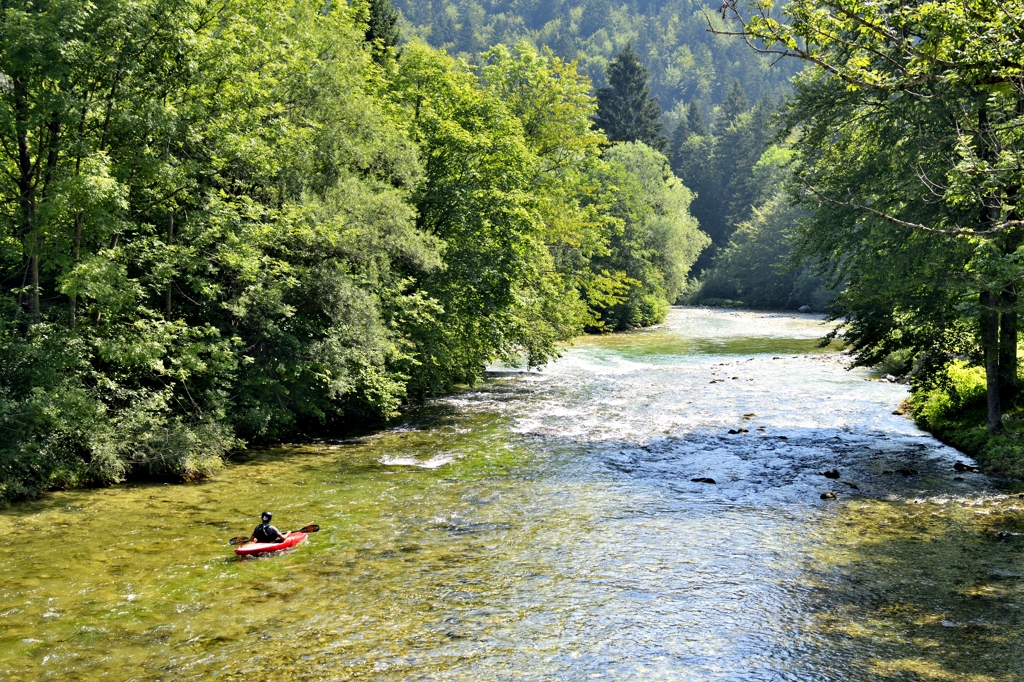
(952, 406)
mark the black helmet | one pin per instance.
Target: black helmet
(267, 516)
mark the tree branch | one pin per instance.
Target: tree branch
(956, 232)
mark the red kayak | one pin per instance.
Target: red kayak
(254, 548)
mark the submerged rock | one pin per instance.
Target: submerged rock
(703, 479)
(834, 473)
(907, 472)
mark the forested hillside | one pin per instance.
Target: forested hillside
(238, 222)
(718, 102)
(687, 63)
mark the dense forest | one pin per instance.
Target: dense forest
(687, 63)
(884, 188)
(240, 222)
(719, 108)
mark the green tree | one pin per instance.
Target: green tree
(554, 105)
(658, 241)
(695, 120)
(735, 103)
(478, 200)
(626, 111)
(219, 240)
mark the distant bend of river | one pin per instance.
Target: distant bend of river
(545, 526)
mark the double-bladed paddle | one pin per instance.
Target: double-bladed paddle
(242, 539)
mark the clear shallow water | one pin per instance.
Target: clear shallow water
(545, 527)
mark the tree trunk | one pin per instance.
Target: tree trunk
(76, 252)
(990, 345)
(170, 242)
(34, 276)
(26, 190)
(1008, 351)
(990, 301)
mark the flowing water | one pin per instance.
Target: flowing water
(545, 526)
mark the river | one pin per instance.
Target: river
(545, 526)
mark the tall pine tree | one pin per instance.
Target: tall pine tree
(695, 121)
(735, 103)
(626, 111)
(382, 30)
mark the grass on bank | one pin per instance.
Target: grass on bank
(953, 409)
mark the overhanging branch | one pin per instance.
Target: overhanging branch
(955, 232)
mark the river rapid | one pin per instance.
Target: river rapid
(545, 526)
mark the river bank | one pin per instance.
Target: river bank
(546, 525)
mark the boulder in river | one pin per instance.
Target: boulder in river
(960, 466)
(834, 473)
(828, 496)
(804, 309)
(703, 479)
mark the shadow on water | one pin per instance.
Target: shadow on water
(930, 591)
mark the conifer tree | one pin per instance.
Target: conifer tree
(382, 30)
(626, 111)
(695, 120)
(735, 103)
(679, 137)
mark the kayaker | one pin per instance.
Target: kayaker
(267, 533)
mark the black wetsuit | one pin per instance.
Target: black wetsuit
(267, 533)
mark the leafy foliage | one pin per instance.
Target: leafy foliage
(911, 137)
(659, 240)
(245, 222)
(382, 29)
